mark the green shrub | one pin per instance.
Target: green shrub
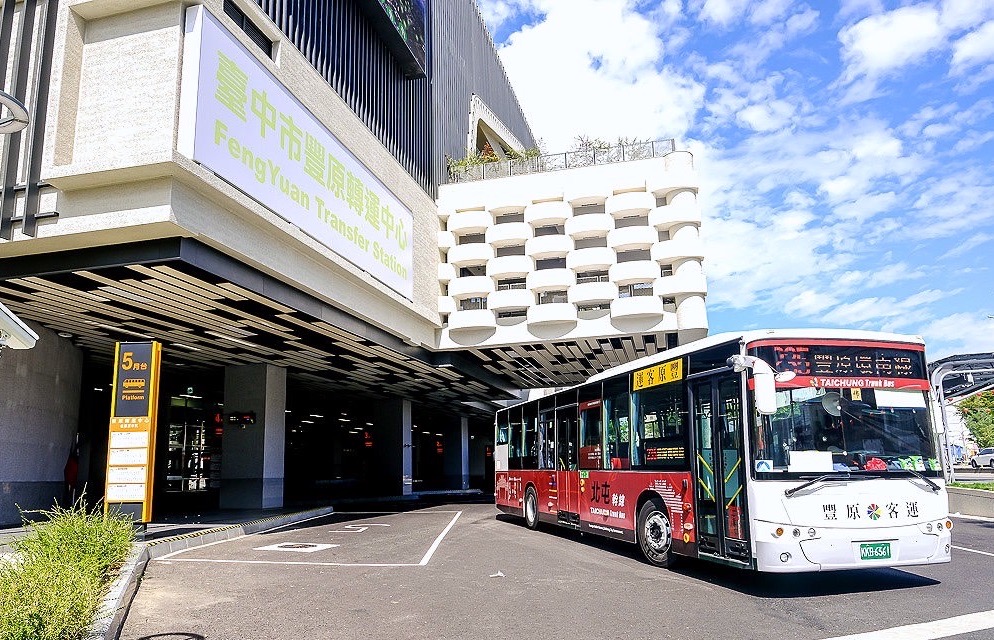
(52, 586)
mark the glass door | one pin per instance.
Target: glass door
(720, 481)
(567, 457)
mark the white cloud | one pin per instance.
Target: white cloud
(959, 333)
(968, 245)
(769, 11)
(850, 8)
(723, 12)
(974, 48)
(883, 43)
(965, 14)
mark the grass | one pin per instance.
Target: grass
(987, 486)
(52, 587)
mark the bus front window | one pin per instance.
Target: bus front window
(824, 430)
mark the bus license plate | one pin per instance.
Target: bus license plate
(874, 551)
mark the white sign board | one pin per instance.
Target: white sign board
(237, 119)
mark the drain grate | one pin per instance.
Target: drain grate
(297, 545)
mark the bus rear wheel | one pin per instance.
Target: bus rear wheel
(655, 534)
(531, 508)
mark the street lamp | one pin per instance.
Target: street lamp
(18, 118)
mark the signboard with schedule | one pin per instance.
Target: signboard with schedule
(131, 443)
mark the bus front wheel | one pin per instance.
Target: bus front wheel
(655, 534)
(531, 508)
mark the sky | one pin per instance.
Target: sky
(845, 148)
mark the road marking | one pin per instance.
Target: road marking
(438, 540)
(305, 547)
(983, 553)
(930, 630)
(312, 564)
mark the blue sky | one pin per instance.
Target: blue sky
(846, 149)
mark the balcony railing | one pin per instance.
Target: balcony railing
(567, 160)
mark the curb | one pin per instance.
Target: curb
(116, 603)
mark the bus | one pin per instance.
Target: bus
(771, 450)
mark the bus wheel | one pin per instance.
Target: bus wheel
(531, 508)
(655, 534)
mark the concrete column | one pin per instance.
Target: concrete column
(393, 429)
(252, 455)
(464, 450)
(456, 461)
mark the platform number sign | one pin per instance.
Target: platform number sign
(131, 443)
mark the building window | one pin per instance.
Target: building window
(669, 304)
(632, 221)
(254, 33)
(514, 313)
(552, 297)
(510, 283)
(517, 216)
(633, 290)
(593, 306)
(472, 238)
(472, 304)
(666, 270)
(515, 250)
(550, 230)
(664, 235)
(476, 270)
(591, 276)
(589, 243)
(550, 263)
(584, 209)
(634, 255)
(660, 201)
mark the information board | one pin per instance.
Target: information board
(131, 443)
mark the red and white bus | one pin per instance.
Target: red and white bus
(774, 450)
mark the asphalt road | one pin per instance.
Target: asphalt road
(462, 571)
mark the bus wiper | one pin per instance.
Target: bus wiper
(828, 476)
(935, 488)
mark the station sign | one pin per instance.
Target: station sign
(131, 442)
(658, 374)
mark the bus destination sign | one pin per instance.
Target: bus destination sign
(658, 374)
(843, 366)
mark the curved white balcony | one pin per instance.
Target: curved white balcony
(691, 313)
(510, 266)
(590, 225)
(446, 240)
(548, 246)
(545, 213)
(471, 287)
(446, 304)
(469, 222)
(472, 319)
(633, 203)
(590, 292)
(550, 280)
(670, 250)
(464, 255)
(509, 233)
(551, 314)
(632, 238)
(663, 218)
(634, 271)
(510, 299)
(590, 259)
(680, 284)
(679, 161)
(637, 307)
(678, 175)
(446, 272)
(444, 212)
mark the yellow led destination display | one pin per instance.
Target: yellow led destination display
(131, 445)
(658, 374)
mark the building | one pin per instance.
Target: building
(258, 186)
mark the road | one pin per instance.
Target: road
(462, 571)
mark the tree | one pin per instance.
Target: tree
(978, 413)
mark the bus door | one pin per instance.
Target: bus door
(567, 457)
(720, 470)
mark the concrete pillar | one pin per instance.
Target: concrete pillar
(456, 461)
(464, 451)
(252, 455)
(392, 428)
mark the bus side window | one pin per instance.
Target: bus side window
(617, 410)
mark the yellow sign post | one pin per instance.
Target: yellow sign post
(131, 442)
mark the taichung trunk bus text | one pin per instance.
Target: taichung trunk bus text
(778, 450)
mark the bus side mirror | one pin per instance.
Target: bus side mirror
(765, 391)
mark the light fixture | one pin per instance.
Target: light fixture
(316, 415)
(64, 334)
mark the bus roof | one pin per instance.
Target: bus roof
(752, 336)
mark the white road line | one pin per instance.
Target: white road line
(438, 540)
(983, 553)
(211, 544)
(930, 630)
(316, 564)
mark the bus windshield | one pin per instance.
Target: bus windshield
(821, 430)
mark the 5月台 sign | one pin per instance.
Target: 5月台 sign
(131, 442)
